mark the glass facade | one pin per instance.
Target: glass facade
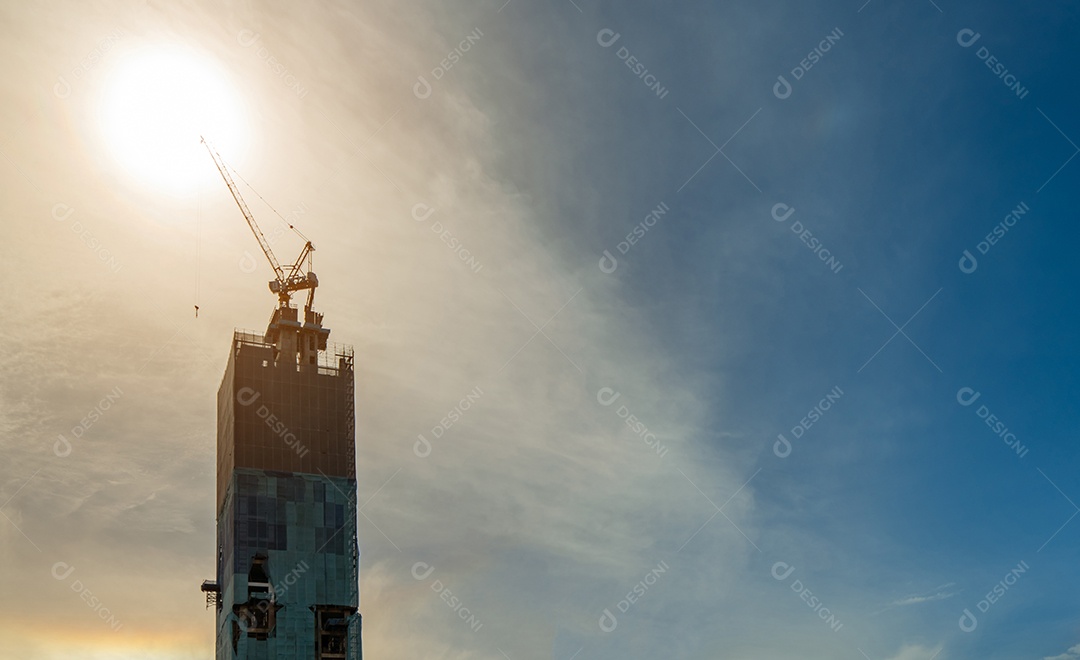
(298, 532)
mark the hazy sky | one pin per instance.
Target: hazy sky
(821, 252)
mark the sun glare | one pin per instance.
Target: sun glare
(156, 104)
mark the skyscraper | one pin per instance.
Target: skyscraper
(287, 556)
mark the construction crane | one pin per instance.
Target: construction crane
(284, 330)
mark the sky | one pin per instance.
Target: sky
(695, 330)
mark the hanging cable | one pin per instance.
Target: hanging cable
(268, 205)
(198, 249)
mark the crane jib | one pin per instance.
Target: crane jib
(286, 282)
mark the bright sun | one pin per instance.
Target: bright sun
(156, 104)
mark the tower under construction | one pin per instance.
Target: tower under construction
(287, 554)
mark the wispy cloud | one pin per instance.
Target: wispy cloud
(937, 593)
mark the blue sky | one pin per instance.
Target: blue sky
(720, 328)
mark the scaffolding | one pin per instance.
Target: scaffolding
(346, 368)
(330, 361)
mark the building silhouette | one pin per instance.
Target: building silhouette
(287, 555)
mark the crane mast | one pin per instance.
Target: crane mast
(293, 340)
